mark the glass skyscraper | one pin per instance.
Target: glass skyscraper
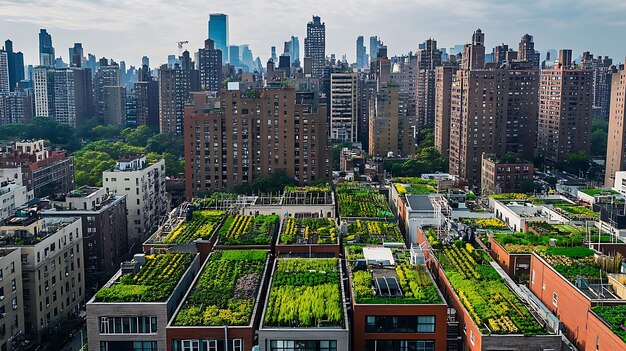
(218, 32)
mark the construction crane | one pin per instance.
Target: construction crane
(180, 46)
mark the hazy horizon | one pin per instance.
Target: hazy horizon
(127, 33)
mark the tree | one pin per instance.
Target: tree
(89, 166)
(599, 137)
(174, 166)
(138, 136)
(171, 142)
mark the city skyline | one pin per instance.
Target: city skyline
(401, 26)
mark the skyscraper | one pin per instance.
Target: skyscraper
(374, 45)
(361, 59)
(108, 75)
(296, 143)
(315, 46)
(64, 94)
(4, 72)
(146, 97)
(616, 154)
(389, 128)
(210, 66)
(565, 108)
(46, 50)
(526, 51)
(428, 58)
(274, 57)
(474, 53)
(344, 99)
(443, 96)
(294, 51)
(175, 84)
(218, 32)
(76, 55)
(15, 62)
(233, 55)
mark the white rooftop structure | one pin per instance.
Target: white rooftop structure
(378, 255)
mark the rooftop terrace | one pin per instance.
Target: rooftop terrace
(180, 231)
(226, 290)
(615, 317)
(373, 232)
(305, 293)
(248, 230)
(492, 306)
(154, 282)
(358, 200)
(308, 231)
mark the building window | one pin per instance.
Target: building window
(555, 298)
(532, 277)
(399, 345)
(400, 324)
(472, 337)
(303, 345)
(128, 325)
(597, 343)
(191, 345)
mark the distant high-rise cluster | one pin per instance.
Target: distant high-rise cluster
(315, 46)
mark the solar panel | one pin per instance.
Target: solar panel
(387, 286)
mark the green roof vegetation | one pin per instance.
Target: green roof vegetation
(201, 226)
(226, 291)
(489, 302)
(415, 282)
(373, 232)
(305, 293)
(154, 282)
(248, 230)
(361, 201)
(576, 213)
(615, 316)
(308, 231)
(484, 223)
(599, 192)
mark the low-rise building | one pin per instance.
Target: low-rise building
(305, 316)
(11, 297)
(12, 195)
(499, 175)
(571, 284)
(132, 310)
(143, 183)
(396, 303)
(44, 171)
(222, 309)
(52, 267)
(103, 215)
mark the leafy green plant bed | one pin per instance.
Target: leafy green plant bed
(489, 302)
(597, 192)
(155, 281)
(305, 293)
(415, 282)
(308, 195)
(248, 230)
(373, 232)
(201, 226)
(226, 291)
(484, 223)
(577, 213)
(615, 316)
(362, 202)
(308, 231)
(510, 196)
(572, 262)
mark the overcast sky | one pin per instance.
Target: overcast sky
(127, 30)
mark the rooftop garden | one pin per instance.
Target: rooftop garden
(540, 235)
(200, 226)
(414, 186)
(484, 223)
(308, 231)
(226, 291)
(217, 199)
(615, 316)
(154, 282)
(579, 261)
(307, 195)
(576, 213)
(361, 202)
(415, 283)
(373, 232)
(489, 302)
(248, 230)
(305, 293)
(599, 192)
(510, 196)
